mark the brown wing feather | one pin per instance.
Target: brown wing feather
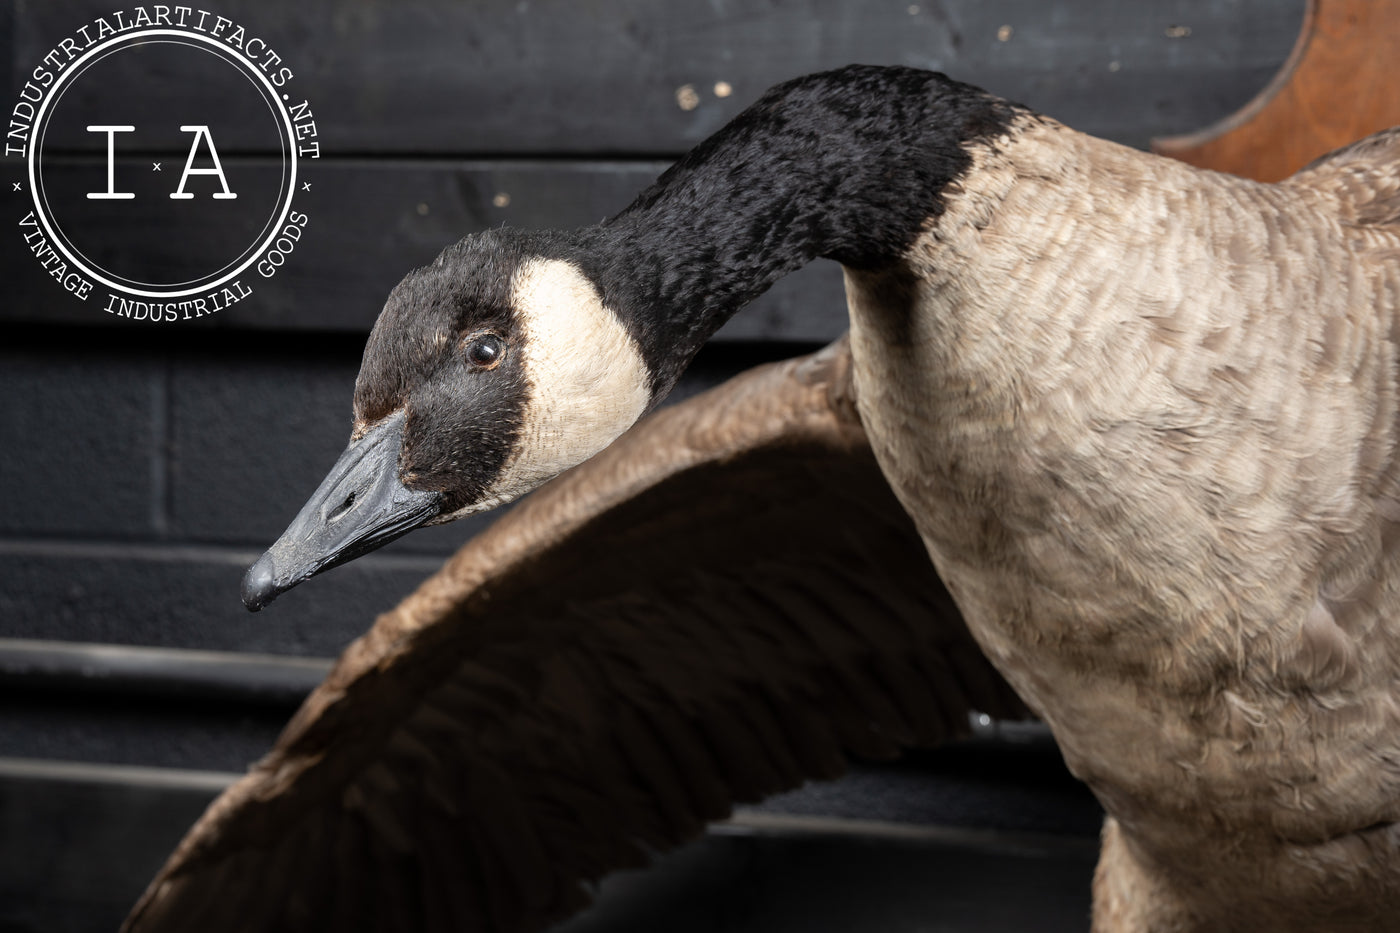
(720, 606)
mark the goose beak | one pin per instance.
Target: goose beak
(359, 506)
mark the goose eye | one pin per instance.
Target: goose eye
(484, 351)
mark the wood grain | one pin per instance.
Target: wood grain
(1337, 86)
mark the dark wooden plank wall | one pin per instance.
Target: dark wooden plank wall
(427, 110)
(143, 466)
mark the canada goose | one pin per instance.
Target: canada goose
(1142, 418)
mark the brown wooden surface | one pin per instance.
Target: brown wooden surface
(1338, 85)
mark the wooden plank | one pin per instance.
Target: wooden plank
(75, 668)
(186, 597)
(556, 76)
(374, 220)
(124, 728)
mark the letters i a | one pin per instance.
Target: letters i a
(200, 132)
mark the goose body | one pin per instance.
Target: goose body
(1143, 418)
(1149, 441)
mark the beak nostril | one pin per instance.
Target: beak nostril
(360, 506)
(341, 509)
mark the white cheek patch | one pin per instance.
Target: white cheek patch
(586, 381)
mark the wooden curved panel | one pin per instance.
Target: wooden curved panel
(1338, 85)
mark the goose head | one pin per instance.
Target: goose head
(488, 372)
(518, 355)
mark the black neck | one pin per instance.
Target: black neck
(848, 165)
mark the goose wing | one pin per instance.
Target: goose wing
(723, 604)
